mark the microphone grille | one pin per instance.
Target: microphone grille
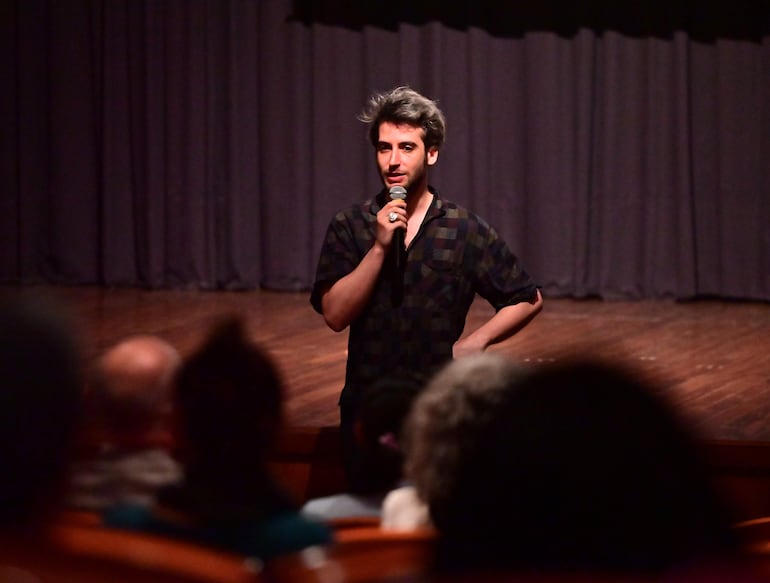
(397, 193)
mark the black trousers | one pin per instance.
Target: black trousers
(351, 450)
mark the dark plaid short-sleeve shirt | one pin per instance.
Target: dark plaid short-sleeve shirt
(454, 256)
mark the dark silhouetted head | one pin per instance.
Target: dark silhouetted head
(40, 403)
(229, 402)
(383, 408)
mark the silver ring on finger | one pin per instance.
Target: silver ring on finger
(392, 217)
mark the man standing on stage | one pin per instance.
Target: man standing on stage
(402, 269)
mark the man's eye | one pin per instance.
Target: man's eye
(408, 148)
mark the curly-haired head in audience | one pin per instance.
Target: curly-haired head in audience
(577, 465)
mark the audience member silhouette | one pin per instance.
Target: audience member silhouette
(383, 407)
(229, 401)
(40, 405)
(128, 422)
(573, 466)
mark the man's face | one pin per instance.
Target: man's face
(401, 156)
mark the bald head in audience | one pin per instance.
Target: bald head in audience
(128, 445)
(130, 389)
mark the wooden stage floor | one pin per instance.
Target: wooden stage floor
(712, 357)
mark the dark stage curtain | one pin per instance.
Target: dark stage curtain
(623, 153)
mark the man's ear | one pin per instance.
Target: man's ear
(432, 155)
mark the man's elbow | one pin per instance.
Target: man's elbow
(534, 307)
(537, 304)
(335, 323)
(333, 316)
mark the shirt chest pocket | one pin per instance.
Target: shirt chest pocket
(441, 284)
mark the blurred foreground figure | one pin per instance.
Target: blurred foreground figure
(229, 401)
(127, 426)
(40, 402)
(575, 467)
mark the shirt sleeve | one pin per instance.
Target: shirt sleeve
(501, 279)
(339, 256)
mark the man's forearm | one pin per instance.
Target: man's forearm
(499, 327)
(348, 296)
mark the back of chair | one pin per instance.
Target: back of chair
(346, 522)
(373, 554)
(79, 518)
(84, 554)
(308, 462)
(360, 554)
(755, 535)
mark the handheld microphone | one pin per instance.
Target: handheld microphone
(398, 193)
